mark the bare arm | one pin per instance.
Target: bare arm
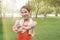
(16, 26)
(32, 25)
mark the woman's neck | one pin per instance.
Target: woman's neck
(26, 20)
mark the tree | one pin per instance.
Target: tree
(34, 6)
(56, 4)
(46, 4)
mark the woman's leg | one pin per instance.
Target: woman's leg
(27, 36)
(19, 36)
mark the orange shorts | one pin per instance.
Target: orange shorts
(24, 36)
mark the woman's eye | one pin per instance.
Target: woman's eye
(24, 12)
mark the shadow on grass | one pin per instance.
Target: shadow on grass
(1, 30)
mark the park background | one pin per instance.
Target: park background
(45, 12)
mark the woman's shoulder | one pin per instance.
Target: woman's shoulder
(32, 20)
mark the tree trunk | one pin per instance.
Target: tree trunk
(36, 14)
(45, 15)
(37, 11)
(56, 14)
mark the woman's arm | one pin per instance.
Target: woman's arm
(30, 26)
(33, 24)
(16, 26)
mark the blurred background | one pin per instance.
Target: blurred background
(45, 12)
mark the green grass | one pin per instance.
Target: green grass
(48, 29)
(1, 32)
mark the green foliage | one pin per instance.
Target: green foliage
(45, 6)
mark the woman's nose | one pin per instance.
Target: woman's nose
(24, 14)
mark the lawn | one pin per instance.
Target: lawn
(48, 29)
(1, 32)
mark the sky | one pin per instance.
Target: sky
(13, 4)
(9, 6)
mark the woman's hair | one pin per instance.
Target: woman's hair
(26, 7)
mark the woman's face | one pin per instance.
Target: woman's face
(25, 13)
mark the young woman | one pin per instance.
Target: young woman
(24, 27)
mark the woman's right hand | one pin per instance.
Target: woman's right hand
(18, 24)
